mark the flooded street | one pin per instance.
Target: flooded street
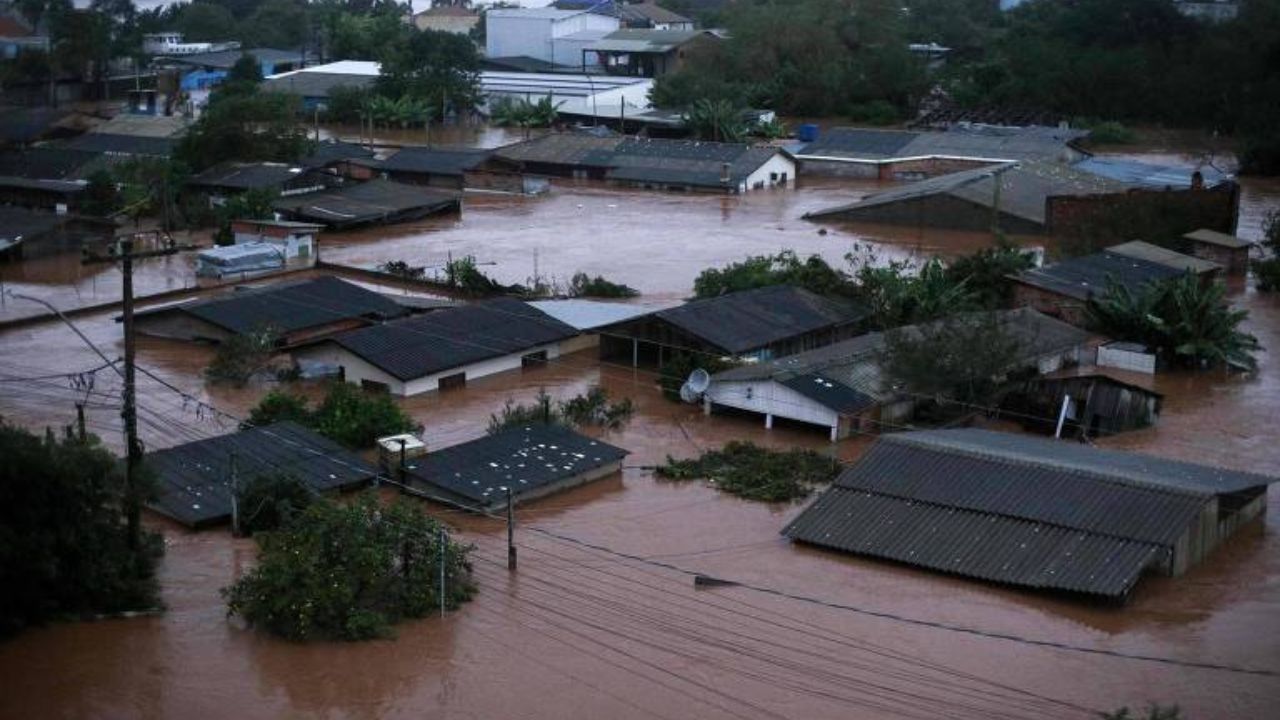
(602, 618)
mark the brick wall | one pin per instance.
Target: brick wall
(1157, 216)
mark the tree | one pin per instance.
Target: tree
(1185, 321)
(899, 294)
(246, 126)
(242, 356)
(275, 24)
(716, 120)
(101, 197)
(205, 22)
(251, 204)
(755, 473)
(785, 268)
(346, 415)
(583, 285)
(963, 358)
(351, 571)
(441, 68)
(1268, 271)
(985, 274)
(272, 501)
(592, 408)
(64, 545)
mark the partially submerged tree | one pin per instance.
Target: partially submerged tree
(590, 409)
(1185, 321)
(65, 550)
(347, 415)
(755, 473)
(351, 571)
(985, 274)
(963, 359)
(583, 285)
(272, 501)
(785, 268)
(242, 356)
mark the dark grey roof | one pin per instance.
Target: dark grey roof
(1087, 276)
(1014, 508)
(437, 161)
(61, 187)
(50, 163)
(851, 373)
(1214, 237)
(226, 59)
(989, 143)
(560, 148)
(123, 144)
(645, 40)
(686, 162)
(453, 337)
(315, 84)
(288, 307)
(368, 202)
(331, 151)
(1024, 189)
(24, 124)
(19, 224)
(752, 319)
(246, 175)
(1164, 256)
(524, 459)
(858, 142)
(193, 479)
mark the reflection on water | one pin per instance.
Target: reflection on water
(577, 633)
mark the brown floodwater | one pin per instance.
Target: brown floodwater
(578, 632)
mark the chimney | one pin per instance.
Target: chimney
(724, 173)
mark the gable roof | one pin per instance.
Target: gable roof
(524, 459)
(331, 151)
(752, 319)
(1014, 508)
(988, 143)
(226, 59)
(377, 200)
(19, 224)
(437, 161)
(1213, 237)
(1084, 277)
(312, 84)
(246, 175)
(686, 162)
(453, 337)
(645, 40)
(193, 479)
(288, 307)
(122, 144)
(654, 13)
(51, 163)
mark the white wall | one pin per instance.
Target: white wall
(770, 398)
(357, 369)
(780, 165)
(510, 33)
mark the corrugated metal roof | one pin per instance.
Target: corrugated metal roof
(454, 337)
(194, 479)
(331, 151)
(123, 144)
(989, 143)
(1014, 508)
(644, 40)
(1162, 256)
(51, 163)
(308, 84)
(246, 176)
(1088, 276)
(752, 319)
(18, 224)
(367, 202)
(830, 392)
(437, 161)
(287, 307)
(226, 59)
(1214, 237)
(590, 314)
(524, 459)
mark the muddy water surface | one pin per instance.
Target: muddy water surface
(578, 632)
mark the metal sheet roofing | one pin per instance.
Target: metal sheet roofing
(989, 143)
(331, 151)
(123, 144)
(752, 319)
(1151, 175)
(246, 176)
(830, 392)
(453, 337)
(1025, 188)
(1084, 277)
(226, 59)
(194, 479)
(644, 40)
(18, 224)
(315, 84)
(368, 202)
(1163, 256)
(590, 314)
(1014, 508)
(1214, 237)
(288, 307)
(436, 161)
(51, 163)
(524, 459)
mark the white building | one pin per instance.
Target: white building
(444, 349)
(547, 34)
(294, 240)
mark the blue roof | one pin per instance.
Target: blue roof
(1151, 175)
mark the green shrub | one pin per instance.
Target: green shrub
(347, 415)
(591, 408)
(582, 285)
(875, 112)
(1268, 274)
(272, 501)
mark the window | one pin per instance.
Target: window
(536, 359)
(451, 382)
(373, 386)
(773, 177)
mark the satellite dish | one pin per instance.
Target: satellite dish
(687, 394)
(699, 380)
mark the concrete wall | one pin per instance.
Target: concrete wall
(1236, 261)
(1126, 360)
(510, 34)
(356, 369)
(1110, 218)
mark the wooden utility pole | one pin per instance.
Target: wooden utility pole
(80, 431)
(444, 550)
(235, 495)
(133, 457)
(511, 532)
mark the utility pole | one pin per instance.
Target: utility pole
(235, 495)
(511, 532)
(133, 457)
(80, 432)
(444, 550)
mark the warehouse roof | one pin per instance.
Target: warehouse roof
(562, 148)
(246, 175)
(123, 144)
(1090, 275)
(453, 337)
(309, 84)
(226, 59)
(368, 202)
(287, 307)
(752, 319)
(1014, 508)
(524, 459)
(194, 479)
(1164, 256)
(978, 142)
(686, 162)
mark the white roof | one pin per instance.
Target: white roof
(363, 68)
(589, 314)
(542, 13)
(249, 249)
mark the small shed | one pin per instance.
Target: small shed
(1128, 356)
(1201, 268)
(293, 240)
(1226, 250)
(530, 462)
(1101, 402)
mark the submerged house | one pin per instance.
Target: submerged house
(1229, 251)
(435, 167)
(195, 480)
(233, 178)
(755, 324)
(1030, 512)
(1099, 402)
(1064, 289)
(529, 462)
(843, 386)
(368, 203)
(444, 349)
(295, 311)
